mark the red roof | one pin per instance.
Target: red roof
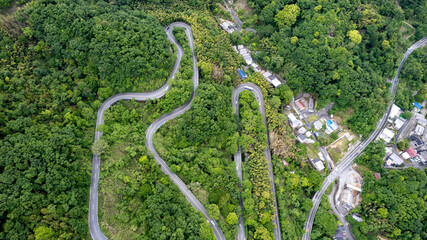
(285, 163)
(412, 153)
(299, 104)
(377, 176)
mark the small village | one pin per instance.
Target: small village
(328, 142)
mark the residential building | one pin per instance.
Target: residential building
(395, 159)
(411, 152)
(419, 129)
(318, 164)
(308, 134)
(318, 125)
(310, 105)
(302, 130)
(398, 123)
(331, 126)
(295, 123)
(423, 156)
(299, 104)
(417, 106)
(422, 121)
(406, 156)
(387, 135)
(394, 111)
(321, 156)
(255, 67)
(416, 142)
(301, 138)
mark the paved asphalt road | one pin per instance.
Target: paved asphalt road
(258, 94)
(346, 163)
(95, 231)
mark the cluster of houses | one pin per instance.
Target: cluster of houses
(246, 54)
(305, 131)
(417, 151)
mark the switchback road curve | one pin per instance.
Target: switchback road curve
(238, 156)
(347, 162)
(94, 228)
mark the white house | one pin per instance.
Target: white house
(295, 123)
(387, 135)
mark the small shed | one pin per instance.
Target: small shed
(242, 74)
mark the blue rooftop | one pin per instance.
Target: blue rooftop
(417, 105)
(242, 74)
(331, 125)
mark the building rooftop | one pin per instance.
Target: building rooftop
(318, 164)
(318, 125)
(331, 125)
(301, 138)
(411, 151)
(417, 105)
(299, 104)
(419, 129)
(387, 135)
(395, 159)
(302, 130)
(377, 176)
(398, 123)
(394, 111)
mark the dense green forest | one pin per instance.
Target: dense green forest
(394, 206)
(342, 51)
(137, 201)
(297, 183)
(69, 57)
(413, 80)
(258, 202)
(325, 223)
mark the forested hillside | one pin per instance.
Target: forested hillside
(54, 75)
(258, 201)
(393, 206)
(341, 51)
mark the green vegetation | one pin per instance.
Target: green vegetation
(198, 147)
(393, 206)
(53, 77)
(297, 183)
(136, 198)
(372, 156)
(258, 201)
(413, 77)
(325, 222)
(416, 14)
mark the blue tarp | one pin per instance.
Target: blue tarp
(417, 105)
(242, 74)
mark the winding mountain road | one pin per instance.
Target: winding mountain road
(238, 156)
(94, 228)
(346, 163)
